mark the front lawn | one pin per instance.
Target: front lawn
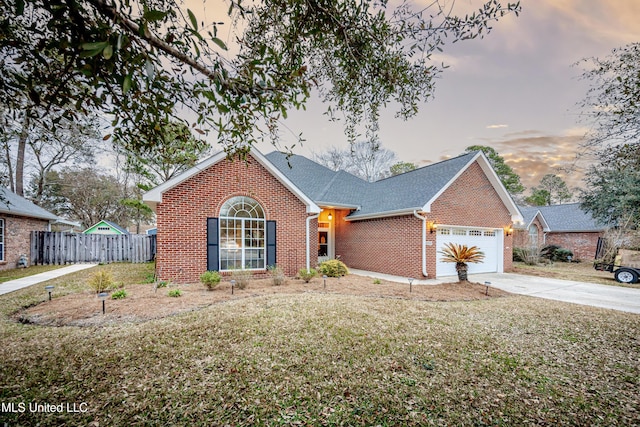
(319, 358)
(577, 271)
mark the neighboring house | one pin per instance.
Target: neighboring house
(290, 211)
(18, 218)
(567, 226)
(105, 227)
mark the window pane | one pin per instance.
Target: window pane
(242, 234)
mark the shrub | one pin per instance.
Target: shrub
(529, 255)
(162, 284)
(556, 253)
(175, 293)
(377, 281)
(307, 275)
(210, 279)
(102, 281)
(333, 268)
(121, 294)
(277, 275)
(242, 278)
(461, 255)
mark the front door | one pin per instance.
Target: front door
(324, 242)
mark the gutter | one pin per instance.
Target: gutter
(309, 218)
(386, 214)
(424, 242)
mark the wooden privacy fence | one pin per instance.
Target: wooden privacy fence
(67, 248)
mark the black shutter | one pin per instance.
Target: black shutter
(271, 243)
(213, 256)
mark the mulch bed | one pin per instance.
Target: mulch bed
(144, 302)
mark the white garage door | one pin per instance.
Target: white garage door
(488, 240)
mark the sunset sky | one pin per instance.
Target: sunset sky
(516, 90)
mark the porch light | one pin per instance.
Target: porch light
(432, 226)
(49, 289)
(508, 230)
(330, 217)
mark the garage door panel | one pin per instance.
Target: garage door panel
(486, 240)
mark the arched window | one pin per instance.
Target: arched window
(242, 234)
(533, 235)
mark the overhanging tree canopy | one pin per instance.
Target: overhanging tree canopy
(149, 61)
(612, 103)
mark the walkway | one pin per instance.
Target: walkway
(592, 294)
(14, 285)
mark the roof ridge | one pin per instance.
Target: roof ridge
(429, 165)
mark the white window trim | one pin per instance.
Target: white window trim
(243, 249)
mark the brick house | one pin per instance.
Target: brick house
(18, 218)
(567, 226)
(227, 214)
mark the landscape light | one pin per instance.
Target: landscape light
(410, 279)
(233, 283)
(49, 289)
(324, 278)
(103, 296)
(486, 291)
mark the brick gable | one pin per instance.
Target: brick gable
(182, 215)
(392, 245)
(471, 200)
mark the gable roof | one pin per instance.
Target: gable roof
(325, 186)
(154, 196)
(317, 185)
(397, 195)
(529, 214)
(414, 190)
(113, 225)
(563, 218)
(11, 203)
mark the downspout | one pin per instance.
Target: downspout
(309, 218)
(424, 242)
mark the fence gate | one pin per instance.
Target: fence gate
(49, 247)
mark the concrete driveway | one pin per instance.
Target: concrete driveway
(613, 297)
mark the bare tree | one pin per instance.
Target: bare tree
(67, 144)
(366, 160)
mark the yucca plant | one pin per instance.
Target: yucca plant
(461, 255)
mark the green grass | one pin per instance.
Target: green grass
(18, 273)
(327, 359)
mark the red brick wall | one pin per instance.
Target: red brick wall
(392, 245)
(471, 200)
(182, 218)
(17, 238)
(583, 245)
(521, 236)
(386, 245)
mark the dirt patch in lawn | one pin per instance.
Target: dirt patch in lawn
(144, 302)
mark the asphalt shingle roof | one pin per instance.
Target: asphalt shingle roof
(411, 190)
(559, 218)
(11, 203)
